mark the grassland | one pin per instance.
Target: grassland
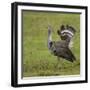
(37, 59)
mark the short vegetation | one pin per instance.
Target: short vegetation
(37, 59)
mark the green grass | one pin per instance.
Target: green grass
(37, 59)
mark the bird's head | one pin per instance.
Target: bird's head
(49, 29)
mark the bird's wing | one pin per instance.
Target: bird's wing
(70, 54)
(66, 32)
(65, 53)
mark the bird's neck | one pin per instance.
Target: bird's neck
(49, 39)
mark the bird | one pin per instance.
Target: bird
(60, 48)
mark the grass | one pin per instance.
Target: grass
(37, 59)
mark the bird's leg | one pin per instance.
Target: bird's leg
(58, 58)
(58, 62)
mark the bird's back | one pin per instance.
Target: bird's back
(62, 50)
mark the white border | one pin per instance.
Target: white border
(31, 80)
